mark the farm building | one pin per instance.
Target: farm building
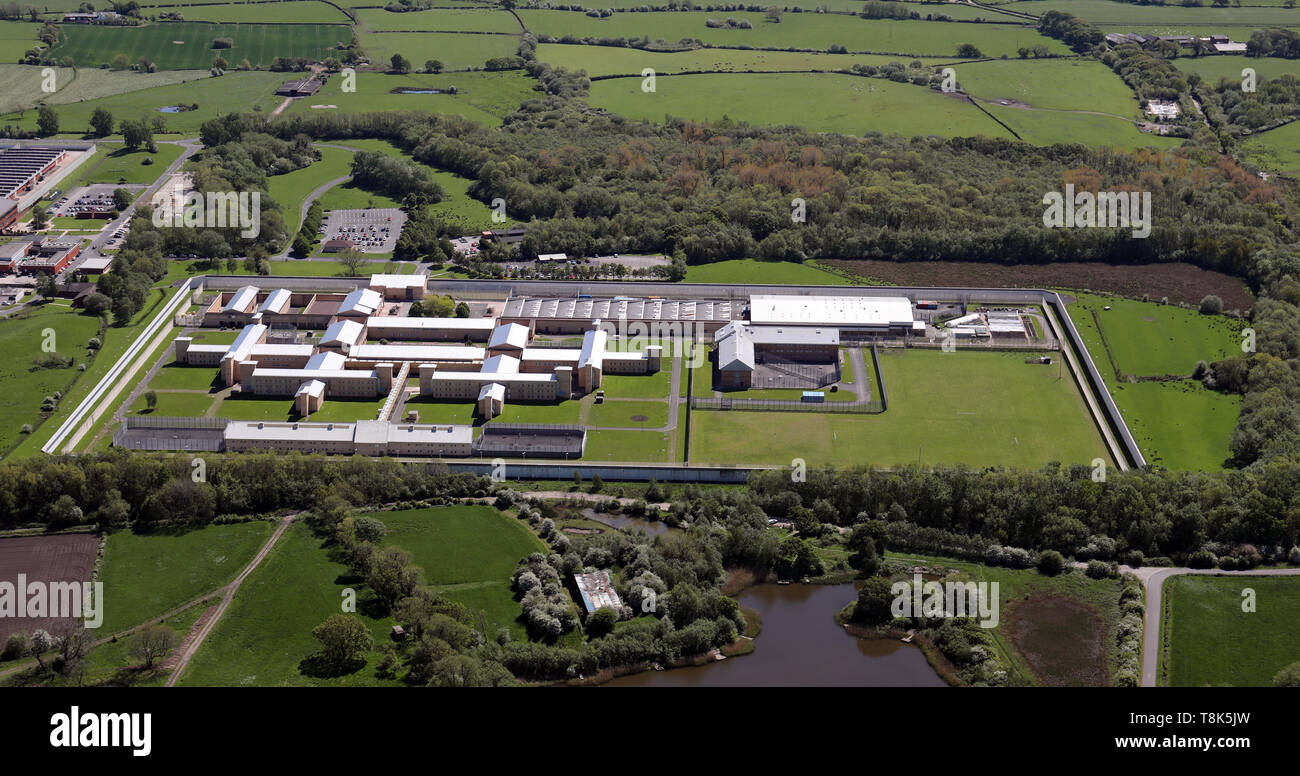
(303, 87)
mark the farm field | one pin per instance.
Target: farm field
(1181, 425)
(1043, 127)
(16, 38)
(438, 19)
(824, 102)
(1277, 150)
(145, 575)
(291, 12)
(609, 60)
(800, 31)
(482, 97)
(1149, 339)
(1056, 631)
(755, 271)
(21, 85)
(1211, 69)
(44, 559)
(242, 91)
(1053, 84)
(456, 51)
(188, 45)
(993, 410)
(1212, 642)
(1109, 12)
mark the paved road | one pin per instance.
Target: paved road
(231, 589)
(305, 206)
(1154, 579)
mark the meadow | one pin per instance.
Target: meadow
(755, 271)
(1212, 642)
(1052, 84)
(1277, 150)
(800, 31)
(115, 164)
(613, 60)
(1180, 425)
(438, 20)
(286, 12)
(21, 387)
(1211, 69)
(979, 409)
(1047, 127)
(291, 189)
(1109, 12)
(456, 51)
(145, 575)
(16, 38)
(481, 97)
(188, 45)
(822, 102)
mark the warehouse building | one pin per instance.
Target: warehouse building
(853, 316)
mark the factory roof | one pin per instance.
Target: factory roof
(830, 310)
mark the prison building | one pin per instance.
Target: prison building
(441, 383)
(329, 368)
(741, 347)
(1005, 324)
(239, 351)
(309, 398)
(661, 317)
(491, 400)
(429, 440)
(399, 287)
(591, 360)
(508, 339)
(597, 591)
(507, 440)
(191, 353)
(276, 302)
(446, 356)
(853, 316)
(342, 336)
(430, 329)
(360, 305)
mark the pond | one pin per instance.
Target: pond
(802, 645)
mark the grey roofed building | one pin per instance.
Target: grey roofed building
(242, 300)
(597, 591)
(735, 349)
(509, 335)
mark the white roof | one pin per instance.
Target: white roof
(735, 348)
(830, 310)
(343, 333)
(551, 257)
(501, 365)
(318, 374)
(276, 301)
(495, 391)
(417, 353)
(512, 334)
(96, 265)
(493, 377)
(373, 432)
(398, 281)
(243, 344)
(593, 348)
(551, 354)
(265, 349)
(242, 300)
(395, 322)
(363, 300)
(408, 432)
(312, 388)
(326, 361)
(260, 430)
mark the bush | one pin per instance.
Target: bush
(1201, 559)
(1051, 563)
(1098, 569)
(1294, 556)
(1288, 677)
(1211, 305)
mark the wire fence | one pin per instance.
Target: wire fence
(164, 421)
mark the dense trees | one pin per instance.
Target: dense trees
(396, 177)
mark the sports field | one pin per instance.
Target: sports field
(1211, 641)
(188, 45)
(979, 409)
(821, 102)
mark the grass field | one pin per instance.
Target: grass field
(438, 19)
(820, 102)
(179, 377)
(145, 575)
(979, 409)
(482, 97)
(455, 51)
(21, 86)
(755, 271)
(1211, 69)
(21, 389)
(1108, 12)
(609, 60)
(467, 553)
(290, 12)
(89, 46)
(215, 97)
(1277, 150)
(802, 31)
(1213, 642)
(16, 38)
(1179, 424)
(1043, 127)
(115, 164)
(1054, 84)
(292, 188)
(639, 446)
(629, 414)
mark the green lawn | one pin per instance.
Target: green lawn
(292, 188)
(442, 411)
(1152, 339)
(979, 409)
(480, 97)
(174, 404)
(565, 412)
(653, 386)
(608, 60)
(629, 414)
(179, 377)
(188, 45)
(1179, 425)
(145, 575)
(116, 164)
(825, 102)
(1213, 642)
(638, 446)
(755, 271)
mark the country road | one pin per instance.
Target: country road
(1154, 580)
(229, 596)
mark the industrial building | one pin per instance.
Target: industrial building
(661, 317)
(28, 171)
(742, 347)
(866, 316)
(364, 437)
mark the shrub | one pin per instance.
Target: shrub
(1201, 559)
(1211, 305)
(1097, 569)
(1051, 563)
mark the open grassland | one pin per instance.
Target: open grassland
(456, 51)
(823, 102)
(636, 446)
(482, 97)
(115, 164)
(468, 554)
(1046, 127)
(980, 409)
(438, 19)
(1052, 630)
(16, 38)
(21, 388)
(1178, 424)
(145, 575)
(800, 31)
(289, 12)
(1053, 84)
(755, 271)
(1212, 68)
(610, 60)
(1109, 12)
(1213, 642)
(243, 91)
(1277, 150)
(188, 45)
(21, 86)
(291, 188)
